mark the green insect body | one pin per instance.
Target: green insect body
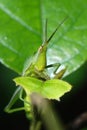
(36, 79)
(38, 64)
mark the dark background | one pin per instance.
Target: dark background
(71, 106)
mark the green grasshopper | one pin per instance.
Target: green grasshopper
(36, 79)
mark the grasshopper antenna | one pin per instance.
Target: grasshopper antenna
(47, 41)
(45, 32)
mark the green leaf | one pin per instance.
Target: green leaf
(20, 32)
(51, 89)
(21, 23)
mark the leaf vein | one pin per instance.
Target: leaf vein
(9, 47)
(16, 18)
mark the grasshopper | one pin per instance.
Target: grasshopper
(36, 79)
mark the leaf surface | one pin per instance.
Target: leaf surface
(21, 23)
(51, 89)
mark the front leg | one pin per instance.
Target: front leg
(57, 75)
(60, 74)
(43, 75)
